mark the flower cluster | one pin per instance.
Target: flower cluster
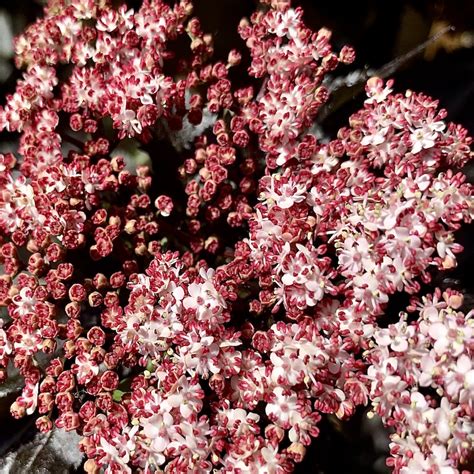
(203, 311)
(422, 385)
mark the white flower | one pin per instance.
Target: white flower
(288, 367)
(205, 300)
(459, 377)
(285, 194)
(425, 137)
(159, 428)
(85, 368)
(377, 137)
(285, 23)
(283, 410)
(355, 256)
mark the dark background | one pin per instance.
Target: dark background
(381, 32)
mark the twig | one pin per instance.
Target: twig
(383, 72)
(393, 65)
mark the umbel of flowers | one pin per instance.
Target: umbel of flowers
(209, 328)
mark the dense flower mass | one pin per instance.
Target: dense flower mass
(434, 352)
(208, 325)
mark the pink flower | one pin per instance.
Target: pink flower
(425, 137)
(284, 407)
(205, 300)
(198, 309)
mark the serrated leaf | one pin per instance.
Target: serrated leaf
(56, 451)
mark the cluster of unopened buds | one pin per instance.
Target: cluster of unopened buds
(208, 328)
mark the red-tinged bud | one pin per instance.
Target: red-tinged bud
(68, 421)
(44, 424)
(45, 402)
(109, 380)
(17, 410)
(296, 451)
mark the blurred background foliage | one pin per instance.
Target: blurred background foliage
(386, 36)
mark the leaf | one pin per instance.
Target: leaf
(117, 395)
(56, 451)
